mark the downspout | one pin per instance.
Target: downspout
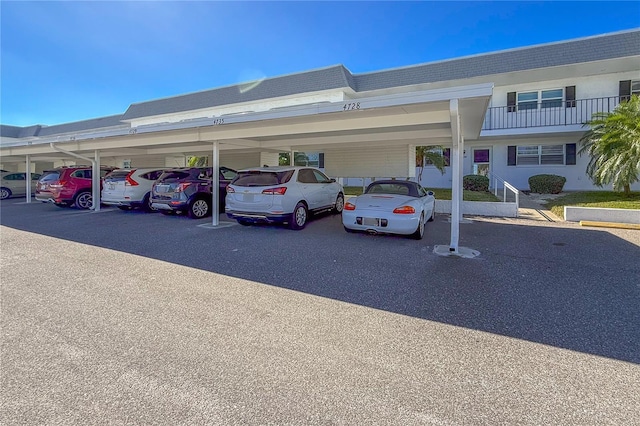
(95, 175)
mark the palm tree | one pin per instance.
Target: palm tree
(613, 142)
(430, 154)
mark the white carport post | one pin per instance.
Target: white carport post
(95, 182)
(27, 175)
(215, 185)
(456, 184)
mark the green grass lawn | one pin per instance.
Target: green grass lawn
(607, 199)
(440, 194)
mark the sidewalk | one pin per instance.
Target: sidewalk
(532, 207)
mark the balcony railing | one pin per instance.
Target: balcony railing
(549, 113)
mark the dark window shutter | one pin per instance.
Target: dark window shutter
(625, 90)
(446, 153)
(321, 160)
(511, 101)
(570, 154)
(570, 96)
(511, 156)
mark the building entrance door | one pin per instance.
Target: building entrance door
(481, 161)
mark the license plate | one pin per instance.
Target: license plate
(247, 198)
(43, 186)
(371, 221)
(162, 188)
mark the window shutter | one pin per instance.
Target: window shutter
(511, 156)
(570, 154)
(446, 153)
(570, 96)
(625, 90)
(321, 160)
(511, 101)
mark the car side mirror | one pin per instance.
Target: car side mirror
(332, 180)
(431, 193)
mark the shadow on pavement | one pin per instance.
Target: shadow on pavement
(564, 286)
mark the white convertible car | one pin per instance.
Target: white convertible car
(390, 207)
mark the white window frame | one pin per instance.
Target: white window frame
(530, 152)
(542, 100)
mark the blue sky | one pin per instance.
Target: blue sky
(69, 61)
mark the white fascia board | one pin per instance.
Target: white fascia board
(427, 96)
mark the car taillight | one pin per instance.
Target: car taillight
(182, 186)
(230, 190)
(128, 181)
(349, 206)
(58, 183)
(404, 210)
(275, 191)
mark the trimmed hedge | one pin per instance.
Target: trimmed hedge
(475, 183)
(547, 184)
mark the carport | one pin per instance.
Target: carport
(346, 129)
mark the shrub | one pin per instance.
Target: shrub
(475, 183)
(547, 184)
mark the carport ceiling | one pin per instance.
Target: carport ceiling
(419, 118)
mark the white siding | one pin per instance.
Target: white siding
(392, 161)
(239, 161)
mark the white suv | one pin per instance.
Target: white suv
(282, 195)
(129, 188)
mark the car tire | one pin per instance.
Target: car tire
(83, 200)
(198, 208)
(5, 193)
(146, 203)
(244, 222)
(420, 230)
(299, 216)
(433, 214)
(124, 208)
(339, 204)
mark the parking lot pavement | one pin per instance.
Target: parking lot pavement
(131, 318)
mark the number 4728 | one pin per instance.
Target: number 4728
(351, 106)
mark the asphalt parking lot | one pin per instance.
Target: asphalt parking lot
(129, 318)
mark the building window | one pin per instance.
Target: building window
(544, 98)
(635, 87)
(540, 155)
(445, 152)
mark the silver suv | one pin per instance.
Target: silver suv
(282, 195)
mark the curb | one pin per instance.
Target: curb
(609, 224)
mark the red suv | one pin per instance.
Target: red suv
(68, 186)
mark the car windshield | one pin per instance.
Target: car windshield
(262, 178)
(117, 175)
(174, 175)
(391, 188)
(50, 176)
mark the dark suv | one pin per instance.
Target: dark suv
(189, 189)
(68, 186)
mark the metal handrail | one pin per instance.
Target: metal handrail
(505, 185)
(549, 113)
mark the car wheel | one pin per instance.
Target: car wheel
(433, 214)
(124, 207)
(198, 208)
(244, 222)
(146, 204)
(5, 193)
(84, 200)
(299, 219)
(339, 204)
(420, 230)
